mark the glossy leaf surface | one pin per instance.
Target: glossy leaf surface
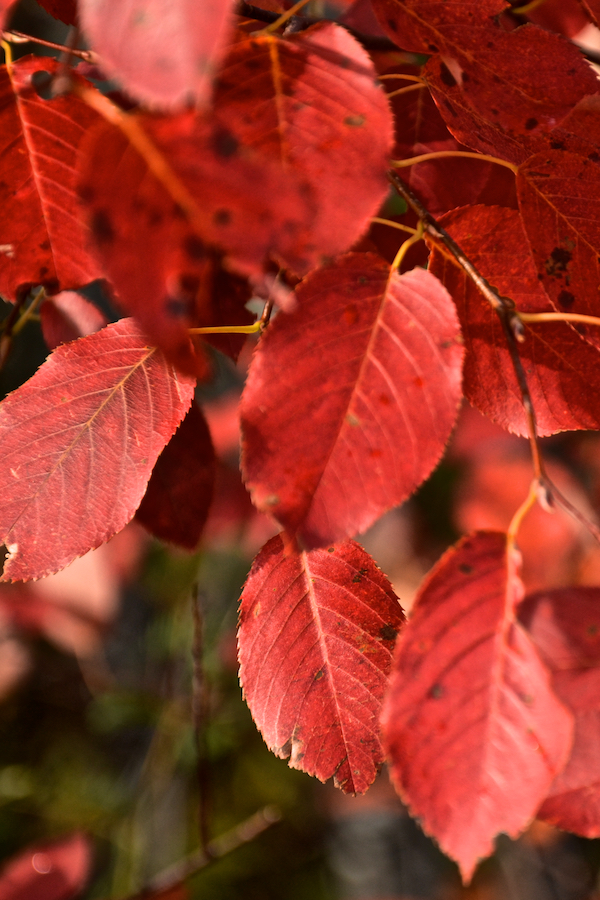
(164, 58)
(565, 626)
(350, 400)
(473, 732)
(42, 240)
(285, 98)
(80, 438)
(316, 633)
(561, 368)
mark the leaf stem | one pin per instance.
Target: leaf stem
(228, 329)
(18, 37)
(413, 239)
(438, 154)
(529, 7)
(288, 14)
(526, 505)
(558, 317)
(405, 90)
(402, 76)
(377, 221)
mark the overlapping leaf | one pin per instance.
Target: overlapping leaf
(158, 256)
(559, 198)
(565, 626)
(316, 634)
(434, 26)
(5, 5)
(176, 504)
(68, 316)
(163, 57)
(312, 103)
(350, 400)
(79, 441)
(65, 10)
(561, 367)
(474, 734)
(42, 240)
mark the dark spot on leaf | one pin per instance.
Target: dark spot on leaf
(558, 261)
(225, 144)
(319, 674)
(177, 308)
(388, 633)
(45, 245)
(189, 284)
(86, 193)
(465, 568)
(557, 145)
(222, 217)
(466, 77)
(194, 247)
(432, 47)
(592, 630)
(354, 121)
(594, 156)
(530, 124)
(566, 299)
(102, 227)
(446, 75)
(43, 272)
(331, 549)
(436, 692)
(392, 24)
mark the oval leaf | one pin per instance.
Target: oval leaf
(162, 57)
(79, 441)
(333, 131)
(350, 400)
(51, 871)
(42, 240)
(563, 371)
(316, 634)
(565, 627)
(474, 734)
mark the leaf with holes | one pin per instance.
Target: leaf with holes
(350, 400)
(559, 199)
(79, 442)
(312, 103)
(473, 732)
(316, 634)
(565, 627)
(42, 240)
(165, 58)
(562, 369)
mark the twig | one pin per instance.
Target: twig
(18, 37)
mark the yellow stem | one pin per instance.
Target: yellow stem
(415, 238)
(274, 26)
(28, 313)
(405, 90)
(558, 317)
(7, 53)
(377, 221)
(528, 503)
(228, 329)
(403, 77)
(529, 7)
(438, 154)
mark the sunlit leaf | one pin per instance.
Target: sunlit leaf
(316, 634)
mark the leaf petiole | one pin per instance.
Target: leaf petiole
(228, 329)
(438, 154)
(377, 221)
(413, 239)
(558, 317)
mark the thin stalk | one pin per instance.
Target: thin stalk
(438, 154)
(377, 221)
(558, 317)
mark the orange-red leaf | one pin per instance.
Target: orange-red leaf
(79, 441)
(474, 734)
(289, 99)
(562, 370)
(42, 240)
(350, 399)
(565, 627)
(163, 57)
(69, 316)
(316, 635)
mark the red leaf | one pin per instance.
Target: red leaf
(593, 7)
(65, 10)
(563, 16)
(315, 639)
(432, 26)
(562, 369)
(474, 734)
(565, 626)
(42, 240)
(156, 257)
(350, 400)
(559, 198)
(332, 131)
(5, 5)
(165, 59)
(175, 506)
(69, 316)
(49, 871)
(79, 441)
